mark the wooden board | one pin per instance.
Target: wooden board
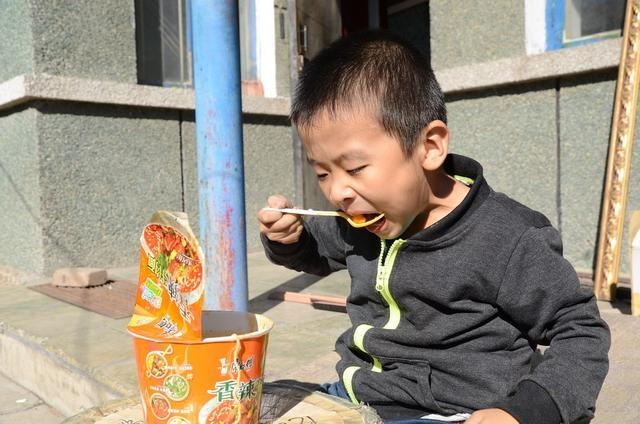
(332, 303)
(115, 299)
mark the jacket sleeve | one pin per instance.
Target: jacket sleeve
(541, 294)
(320, 250)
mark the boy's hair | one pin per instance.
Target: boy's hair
(379, 72)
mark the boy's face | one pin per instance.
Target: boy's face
(362, 169)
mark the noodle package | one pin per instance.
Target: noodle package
(193, 366)
(170, 296)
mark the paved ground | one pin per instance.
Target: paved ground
(18, 405)
(74, 359)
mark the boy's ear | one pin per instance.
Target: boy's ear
(434, 145)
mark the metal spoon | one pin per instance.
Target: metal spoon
(356, 221)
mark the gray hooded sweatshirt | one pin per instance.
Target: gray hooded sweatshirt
(449, 319)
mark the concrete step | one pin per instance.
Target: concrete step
(18, 405)
(50, 375)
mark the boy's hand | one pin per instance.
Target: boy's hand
(281, 227)
(491, 416)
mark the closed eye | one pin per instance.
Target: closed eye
(356, 171)
(321, 176)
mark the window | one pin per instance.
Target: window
(588, 19)
(556, 24)
(163, 41)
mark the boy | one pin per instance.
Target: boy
(455, 287)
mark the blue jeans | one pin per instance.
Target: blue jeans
(337, 389)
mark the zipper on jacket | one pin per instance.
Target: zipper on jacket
(383, 274)
(382, 281)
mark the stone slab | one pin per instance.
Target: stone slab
(18, 405)
(47, 375)
(18, 89)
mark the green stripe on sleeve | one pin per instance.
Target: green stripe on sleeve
(377, 365)
(358, 336)
(347, 379)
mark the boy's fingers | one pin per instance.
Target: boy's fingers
(285, 237)
(268, 217)
(277, 226)
(285, 224)
(274, 201)
(292, 238)
(288, 225)
(278, 201)
(278, 220)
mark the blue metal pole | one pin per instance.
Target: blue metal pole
(221, 212)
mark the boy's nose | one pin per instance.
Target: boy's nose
(342, 195)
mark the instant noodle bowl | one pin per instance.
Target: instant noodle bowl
(193, 366)
(215, 380)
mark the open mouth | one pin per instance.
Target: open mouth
(363, 220)
(376, 226)
(368, 216)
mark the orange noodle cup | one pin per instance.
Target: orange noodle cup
(170, 283)
(215, 380)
